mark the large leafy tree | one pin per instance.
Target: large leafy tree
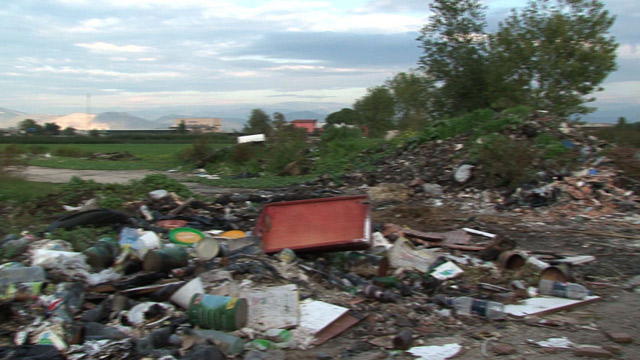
(376, 111)
(69, 131)
(259, 123)
(412, 94)
(345, 116)
(553, 55)
(51, 129)
(279, 120)
(30, 126)
(455, 55)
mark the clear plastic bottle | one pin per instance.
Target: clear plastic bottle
(490, 309)
(563, 289)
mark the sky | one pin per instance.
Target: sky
(59, 56)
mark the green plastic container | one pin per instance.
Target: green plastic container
(222, 313)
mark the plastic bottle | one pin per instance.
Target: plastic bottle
(562, 289)
(129, 236)
(490, 309)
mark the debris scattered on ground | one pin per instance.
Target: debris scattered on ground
(391, 268)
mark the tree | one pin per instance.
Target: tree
(622, 122)
(455, 55)
(182, 127)
(279, 120)
(553, 55)
(376, 111)
(69, 131)
(411, 92)
(94, 133)
(51, 129)
(30, 126)
(259, 123)
(344, 116)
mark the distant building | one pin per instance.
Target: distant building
(202, 125)
(307, 124)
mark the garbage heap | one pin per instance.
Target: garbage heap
(176, 284)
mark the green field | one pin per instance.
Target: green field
(144, 156)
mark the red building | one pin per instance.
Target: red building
(307, 124)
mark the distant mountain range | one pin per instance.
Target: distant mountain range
(139, 119)
(233, 116)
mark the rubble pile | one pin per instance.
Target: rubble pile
(313, 273)
(442, 172)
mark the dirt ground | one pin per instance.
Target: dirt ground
(614, 241)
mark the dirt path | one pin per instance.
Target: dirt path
(51, 175)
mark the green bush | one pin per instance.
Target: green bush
(447, 128)
(343, 155)
(38, 149)
(288, 144)
(504, 161)
(158, 182)
(13, 151)
(199, 152)
(333, 133)
(69, 151)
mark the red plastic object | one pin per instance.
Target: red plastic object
(326, 224)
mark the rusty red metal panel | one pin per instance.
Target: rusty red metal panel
(326, 224)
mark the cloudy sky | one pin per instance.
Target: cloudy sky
(154, 53)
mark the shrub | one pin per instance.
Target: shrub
(69, 151)
(199, 152)
(38, 149)
(288, 144)
(342, 155)
(505, 162)
(158, 182)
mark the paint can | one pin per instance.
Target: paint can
(102, 254)
(511, 260)
(222, 313)
(164, 260)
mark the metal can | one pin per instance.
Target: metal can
(102, 253)
(164, 260)
(222, 313)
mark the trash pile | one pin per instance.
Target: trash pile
(442, 172)
(254, 279)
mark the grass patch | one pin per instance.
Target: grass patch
(145, 156)
(15, 189)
